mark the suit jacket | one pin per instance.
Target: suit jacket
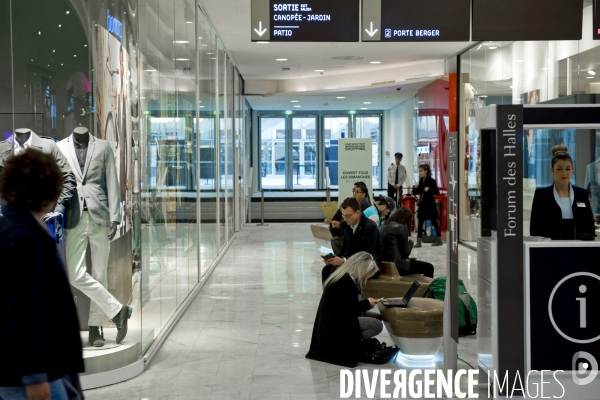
(47, 146)
(39, 330)
(97, 183)
(336, 333)
(365, 238)
(546, 214)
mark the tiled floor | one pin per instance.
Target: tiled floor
(246, 333)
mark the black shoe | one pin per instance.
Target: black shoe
(96, 338)
(120, 320)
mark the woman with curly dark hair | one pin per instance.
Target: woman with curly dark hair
(397, 244)
(427, 188)
(39, 330)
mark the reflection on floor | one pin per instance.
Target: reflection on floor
(245, 335)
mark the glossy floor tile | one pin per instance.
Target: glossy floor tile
(246, 333)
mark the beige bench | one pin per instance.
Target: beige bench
(418, 329)
(321, 231)
(390, 283)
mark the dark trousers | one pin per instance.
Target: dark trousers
(393, 193)
(421, 223)
(326, 272)
(418, 267)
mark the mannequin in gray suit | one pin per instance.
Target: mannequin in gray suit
(25, 138)
(92, 217)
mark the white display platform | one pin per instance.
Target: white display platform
(113, 356)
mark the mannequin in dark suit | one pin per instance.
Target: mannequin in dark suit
(548, 218)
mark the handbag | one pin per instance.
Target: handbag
(374, 352)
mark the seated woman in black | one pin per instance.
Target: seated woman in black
(340, 325)
(561, 211)
(397, 244)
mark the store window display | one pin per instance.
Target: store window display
(92, 218)
(25, 138)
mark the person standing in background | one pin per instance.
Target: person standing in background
(396, 176)
(427, 188)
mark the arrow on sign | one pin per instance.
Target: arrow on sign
(370, 32)
(260, 31)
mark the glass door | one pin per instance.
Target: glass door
(370, 127)
(335, 128)
(272, 152)
(304, 152)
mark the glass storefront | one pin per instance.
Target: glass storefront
(149, 86)
(528, 73)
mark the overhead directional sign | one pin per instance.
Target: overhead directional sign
(416, 21)
(527, 20)
(305, 21)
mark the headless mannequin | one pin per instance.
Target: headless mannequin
(22, 135)
(82, 137)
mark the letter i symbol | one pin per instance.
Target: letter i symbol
(582, 307)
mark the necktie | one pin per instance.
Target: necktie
(396, 175)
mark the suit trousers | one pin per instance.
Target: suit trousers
(93, 286)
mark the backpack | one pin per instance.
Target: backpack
(467, 308)
(373, 352)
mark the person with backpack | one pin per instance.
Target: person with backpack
(343, 321)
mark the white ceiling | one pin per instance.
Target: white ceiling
(380, 98)
(231, 19)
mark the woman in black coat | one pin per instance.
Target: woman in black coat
(427, 188)
(341, 324)
(39, 331)
(561, 211)
(397, 244)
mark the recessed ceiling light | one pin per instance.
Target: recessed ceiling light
(281, 59)
(592, 72)
(201, 107)
(40, 32)
(297, 106)
(263, 42)
(54, 51)
(182, 59)
(189, 22)
(366, 102)
(68, 12)
(340, 97)
(364, 108)
(149, 70)
(181, 41)
(213, 58)
(199, 37)
(74, 55)
(589, 77)
(492, 48)
(375, 62)
(85, 45)
(482, 96)
(293, 101)
(59, 25)
(319, 70)
(421, 102)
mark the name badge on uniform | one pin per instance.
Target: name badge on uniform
(581, 205)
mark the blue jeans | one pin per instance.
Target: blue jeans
(57, 392)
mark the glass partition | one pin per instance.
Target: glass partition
(335, 128)
(370, 127)
(528, 73)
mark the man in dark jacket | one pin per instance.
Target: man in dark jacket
(360, 234)
(39, 330)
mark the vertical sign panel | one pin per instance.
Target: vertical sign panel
(451, 300)
(355, 165)
(509, 282)
(371, 21)
(596, 20)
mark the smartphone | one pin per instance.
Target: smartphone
(327, 256)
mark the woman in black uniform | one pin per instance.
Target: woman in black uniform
(561, 211)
